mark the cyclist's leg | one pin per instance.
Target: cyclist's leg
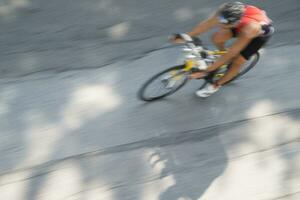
(220, 37)
(234, 69)
(242, 58)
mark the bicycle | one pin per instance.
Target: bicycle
(174, 78)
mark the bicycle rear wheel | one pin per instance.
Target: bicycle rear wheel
(163, 84)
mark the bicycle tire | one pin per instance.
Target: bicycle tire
(142, 91)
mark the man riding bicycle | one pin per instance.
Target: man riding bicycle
(252, 29)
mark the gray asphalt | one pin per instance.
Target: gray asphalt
(71, 126)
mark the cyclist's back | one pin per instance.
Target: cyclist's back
(253, 14)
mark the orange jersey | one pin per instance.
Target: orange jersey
(253, 14)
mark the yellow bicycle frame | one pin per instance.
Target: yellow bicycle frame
(217, 52)
(190, 62)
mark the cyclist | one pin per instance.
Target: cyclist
(252, 29)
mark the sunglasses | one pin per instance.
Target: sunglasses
(222, 20)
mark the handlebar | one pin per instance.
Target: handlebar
(188, 39)
(193, 44)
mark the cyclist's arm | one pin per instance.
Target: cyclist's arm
(204, 26)
(247, 34)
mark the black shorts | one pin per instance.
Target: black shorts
(257, 42)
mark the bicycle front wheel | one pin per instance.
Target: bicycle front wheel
(163, 84)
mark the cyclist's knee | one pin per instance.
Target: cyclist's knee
(221, 36)
(215, 38)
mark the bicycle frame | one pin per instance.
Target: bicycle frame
(195, 53)
(190, 63)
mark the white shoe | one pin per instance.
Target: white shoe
(208, 90)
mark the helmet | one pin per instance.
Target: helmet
(232, 12)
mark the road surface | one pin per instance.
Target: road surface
(71, 126)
